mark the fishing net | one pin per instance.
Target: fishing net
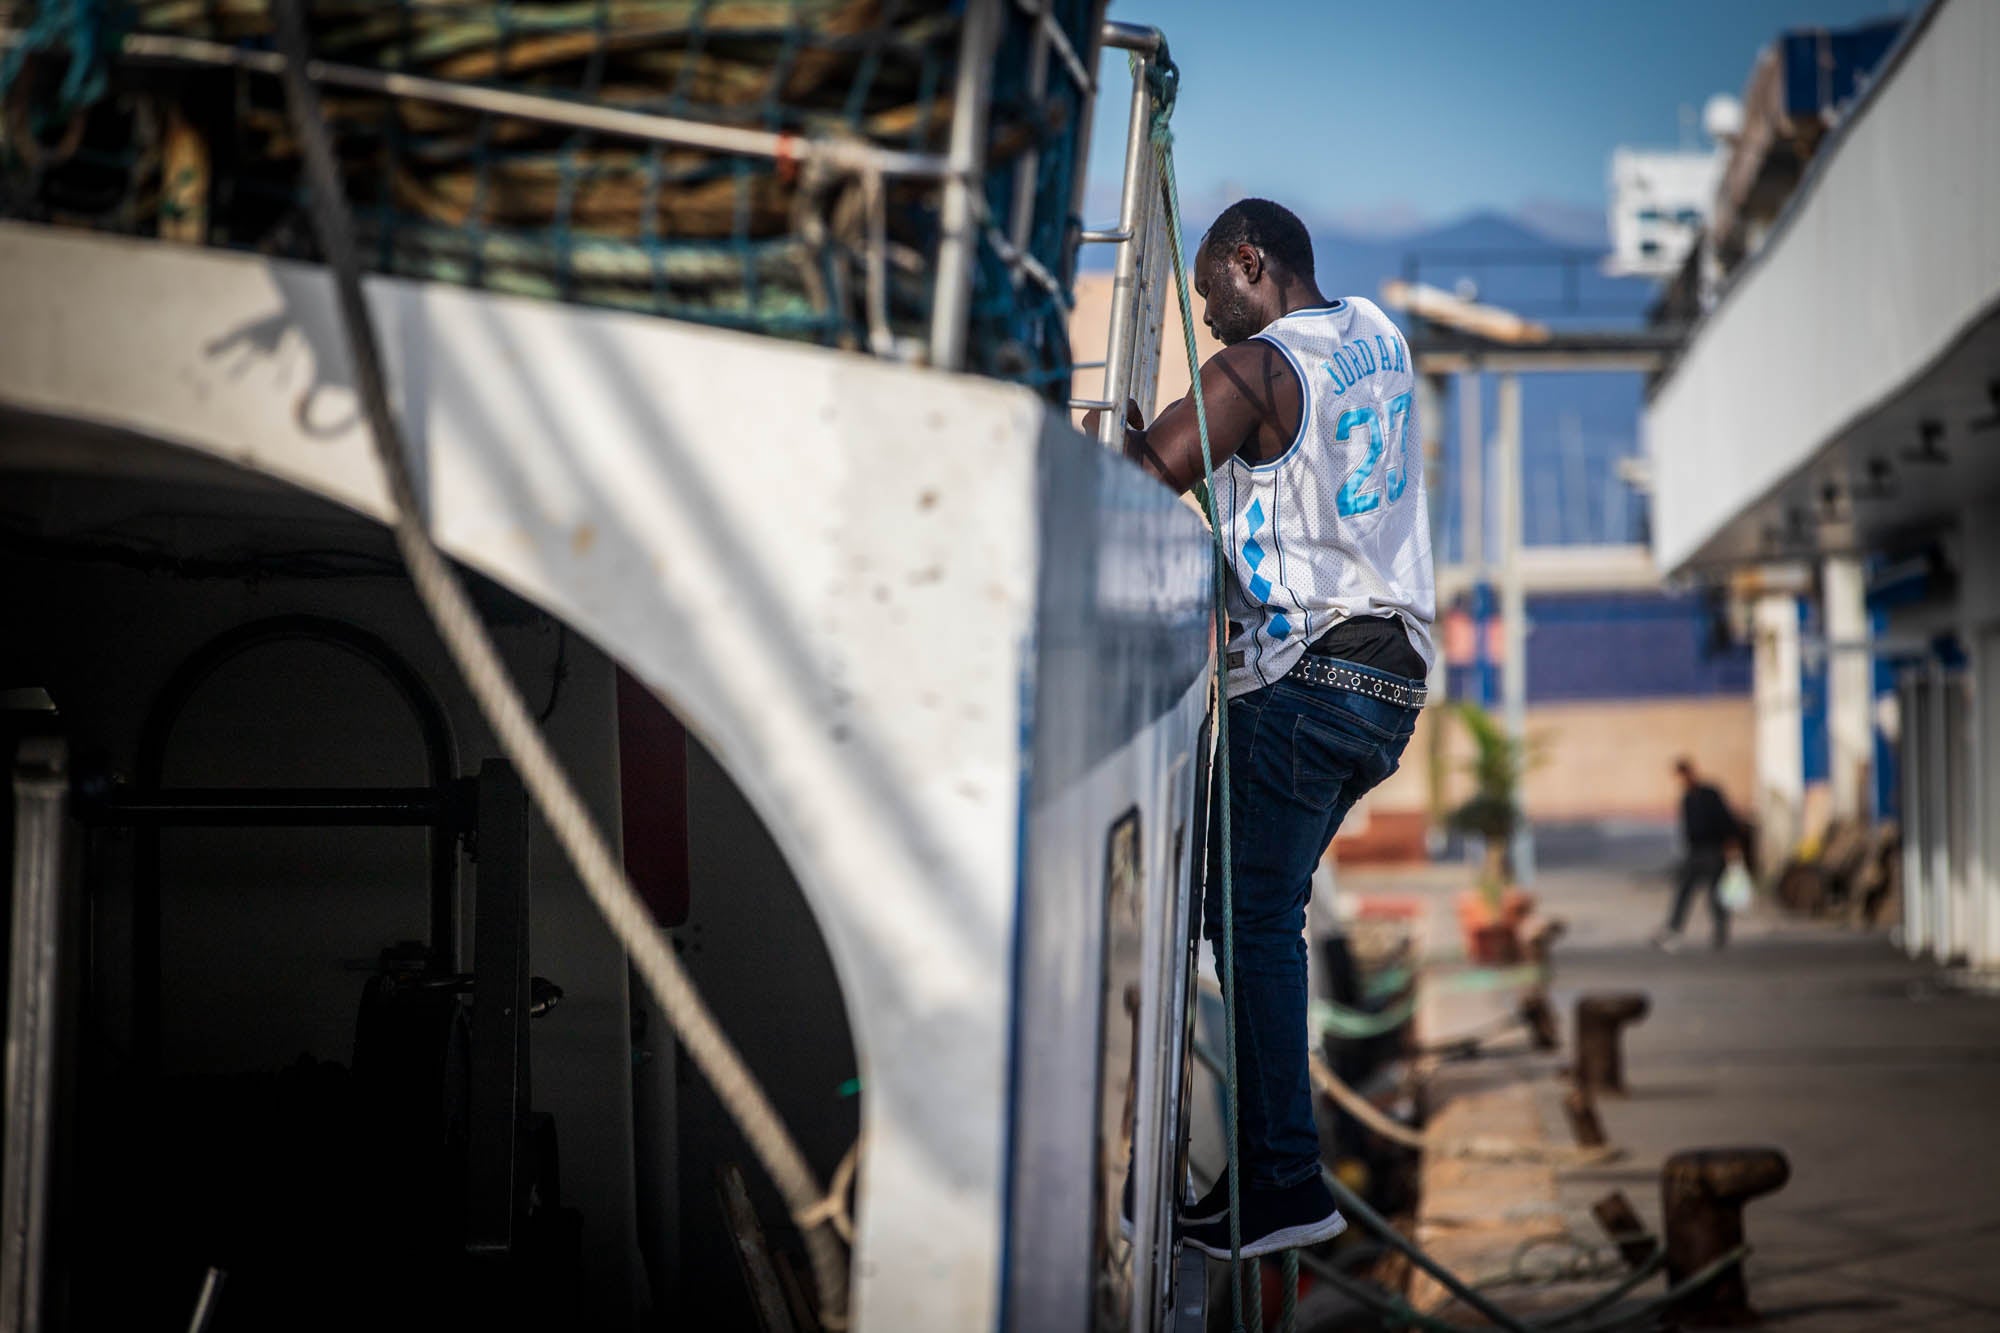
(202, 153)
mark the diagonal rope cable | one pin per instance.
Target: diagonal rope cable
(1376, 1121)
(1399, 1313)
(472, 649)
(1163, 148)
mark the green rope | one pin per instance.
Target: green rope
(1391, 981)
(1165, 83)
(1288, 1313)
(1375, 1222)
(1339, 1021)
(1398, 1313)
(1476, 979)
(1606, 1299)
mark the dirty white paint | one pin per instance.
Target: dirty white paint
(1885, 259)
(825, 563)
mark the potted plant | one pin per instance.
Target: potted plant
(1491, 915)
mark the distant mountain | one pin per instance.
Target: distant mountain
(1481, 231)
(1384, 223)
(1566, 223)
(1355, 254)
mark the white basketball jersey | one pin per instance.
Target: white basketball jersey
(1337, 526)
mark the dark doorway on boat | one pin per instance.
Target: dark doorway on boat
(293, 863)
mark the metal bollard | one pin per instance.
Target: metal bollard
(1702, 1193)
(1583, 1122)
(1540, 1018)
(1600, 1018)
(1541, 945)
(1620, 1220)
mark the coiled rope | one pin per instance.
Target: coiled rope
(472, 650)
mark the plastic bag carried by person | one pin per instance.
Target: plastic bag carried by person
(1735, 888)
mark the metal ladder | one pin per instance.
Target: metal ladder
(1131, 362)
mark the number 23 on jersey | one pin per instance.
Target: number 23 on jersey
(1363, 492)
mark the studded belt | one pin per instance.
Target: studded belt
(1332, 671)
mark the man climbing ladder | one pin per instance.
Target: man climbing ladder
(1319, 500)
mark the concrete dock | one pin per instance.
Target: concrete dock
(1876, 1075)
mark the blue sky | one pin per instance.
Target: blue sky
(1381, 115)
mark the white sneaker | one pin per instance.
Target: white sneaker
(1668, 941)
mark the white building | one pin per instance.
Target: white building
(1659, 201)
(1835, 420)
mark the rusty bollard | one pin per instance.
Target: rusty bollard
(1702, 1194)
(1620, 1220)
(1600, 1018)
(1583, 1121)
(1540, 1019)
(1541, 945)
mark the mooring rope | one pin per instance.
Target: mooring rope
(520, 739)
(1166, 81)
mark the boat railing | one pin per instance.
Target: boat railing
(1131, 365)
(898, 180)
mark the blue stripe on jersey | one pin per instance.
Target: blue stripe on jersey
(1281, 624)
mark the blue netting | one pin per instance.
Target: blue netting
(1020, 328)
(459, 196)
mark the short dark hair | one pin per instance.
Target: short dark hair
(1272, 228)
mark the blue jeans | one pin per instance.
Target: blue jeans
(1702, 872)
(1300, 756)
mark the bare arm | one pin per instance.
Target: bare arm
(1253, 401)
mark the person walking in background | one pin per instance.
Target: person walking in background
(1712, 835)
